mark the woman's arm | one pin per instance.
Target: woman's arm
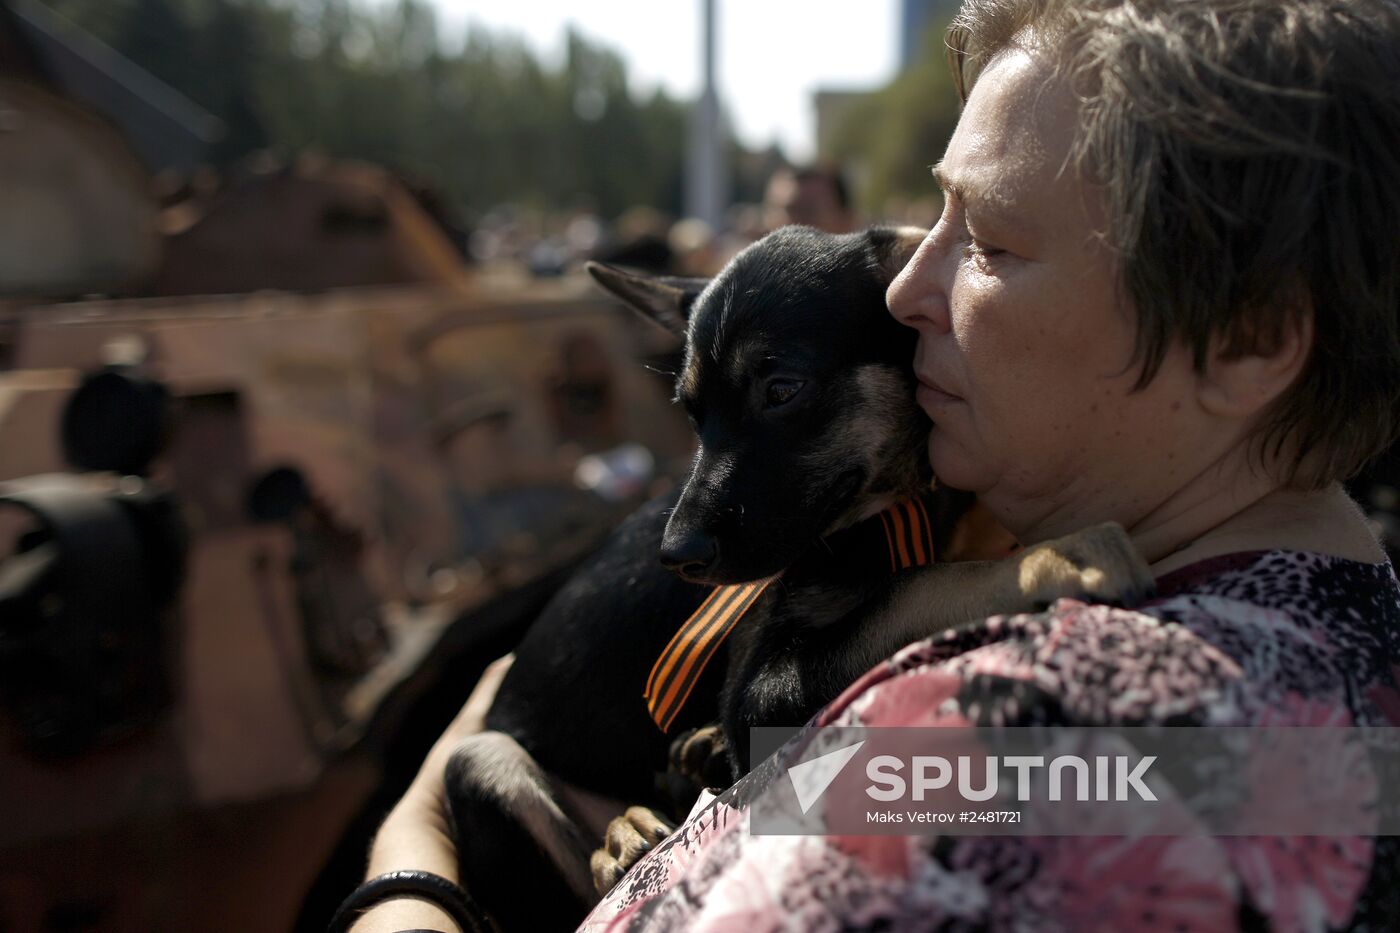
(416, 833)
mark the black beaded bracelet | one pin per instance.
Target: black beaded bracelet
(422, 885)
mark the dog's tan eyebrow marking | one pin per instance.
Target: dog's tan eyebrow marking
(689, 383)
(721, 319)
(742, 357)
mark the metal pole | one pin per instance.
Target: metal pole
(707, 182)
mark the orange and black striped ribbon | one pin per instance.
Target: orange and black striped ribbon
(909, 534)
(908, 540)
(675, 673)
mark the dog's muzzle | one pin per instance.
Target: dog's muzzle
(690, 554)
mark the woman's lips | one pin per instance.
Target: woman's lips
(929, 395)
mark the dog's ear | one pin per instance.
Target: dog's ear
(894, 247)
(665, 299)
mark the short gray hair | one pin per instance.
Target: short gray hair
(1249, 153)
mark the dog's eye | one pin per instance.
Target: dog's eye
(781, 391)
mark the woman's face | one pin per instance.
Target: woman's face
(1024, 344)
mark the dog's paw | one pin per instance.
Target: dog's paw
(702, 757)
(628, 838)
(1099, 564)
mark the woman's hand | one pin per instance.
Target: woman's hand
(416, 833)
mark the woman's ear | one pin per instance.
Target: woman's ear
(1246, 374)
(666, 300)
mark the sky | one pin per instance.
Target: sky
(772, 54)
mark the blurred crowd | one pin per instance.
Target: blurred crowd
(647, 239)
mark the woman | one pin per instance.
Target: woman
(1164, 291)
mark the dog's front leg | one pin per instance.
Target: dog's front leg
(698, 760)
(1099, 564)
(522, 853)
(701, 756)
(628, 838)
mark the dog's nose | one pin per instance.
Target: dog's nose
(691, 554)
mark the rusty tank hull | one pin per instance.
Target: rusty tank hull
(331, 511)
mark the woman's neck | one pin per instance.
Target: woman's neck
(1229, 503)
(1327, 522)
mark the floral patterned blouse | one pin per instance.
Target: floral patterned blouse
(1279, 637)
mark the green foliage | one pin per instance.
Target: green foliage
(484, 120)
(899, 131)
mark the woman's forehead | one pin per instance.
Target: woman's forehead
(1011, 148)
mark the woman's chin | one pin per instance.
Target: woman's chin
(953, 465)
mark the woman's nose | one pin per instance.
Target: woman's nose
(917, 297)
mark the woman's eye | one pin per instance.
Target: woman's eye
(781, 391)
(979, 252)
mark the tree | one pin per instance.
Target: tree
(486, 122)
(156, 35)
(898, 132)
(230, 50)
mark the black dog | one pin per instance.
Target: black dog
(799, 385)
